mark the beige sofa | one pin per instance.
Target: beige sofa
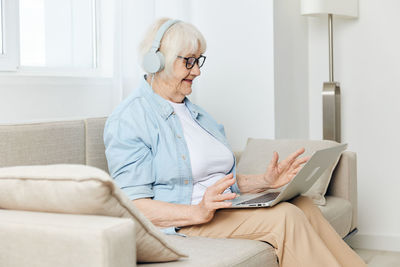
(53, 239)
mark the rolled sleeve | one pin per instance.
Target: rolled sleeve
(139, 191)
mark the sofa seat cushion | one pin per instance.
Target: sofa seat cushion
(221, 252)
(338, 212)
(80, 189)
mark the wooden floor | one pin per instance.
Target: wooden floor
(375, 258)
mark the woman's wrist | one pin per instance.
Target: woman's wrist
(267, 182)
(252, 183)
(199, 214)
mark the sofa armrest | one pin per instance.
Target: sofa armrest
(49, 239)
(344, 182)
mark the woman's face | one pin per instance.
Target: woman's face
(180, 83)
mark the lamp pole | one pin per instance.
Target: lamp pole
(331, 97)
(330, 32)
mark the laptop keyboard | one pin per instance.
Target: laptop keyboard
(262, 199)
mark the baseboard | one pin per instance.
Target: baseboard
(375, 242)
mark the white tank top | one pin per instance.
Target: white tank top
(210, 159)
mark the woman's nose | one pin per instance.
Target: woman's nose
(195, 70)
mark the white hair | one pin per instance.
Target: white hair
(180, 39)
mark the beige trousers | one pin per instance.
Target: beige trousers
(298, 231)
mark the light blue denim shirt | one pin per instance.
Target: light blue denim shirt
(146, 151)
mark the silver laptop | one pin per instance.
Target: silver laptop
(304, 179)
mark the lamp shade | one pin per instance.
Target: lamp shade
(343, 8)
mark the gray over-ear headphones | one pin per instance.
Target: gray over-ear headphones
(154, 61)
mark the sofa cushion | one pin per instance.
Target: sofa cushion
(80, 189)
(42, 143)
(258, 153)
(95, 150)
(222, 252)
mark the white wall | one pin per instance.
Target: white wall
(291, 70)
(237, 81)
(30, 99)
(367, 64)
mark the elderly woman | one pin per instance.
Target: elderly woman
(173, 161)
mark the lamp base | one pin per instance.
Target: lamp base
(331, 111)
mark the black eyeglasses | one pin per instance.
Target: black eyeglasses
(190, 61)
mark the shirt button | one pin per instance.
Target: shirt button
(183, 156)
(178, 136)
(186, 181)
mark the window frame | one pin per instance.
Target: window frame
(10, 59)
(102, 65)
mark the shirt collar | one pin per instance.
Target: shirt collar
(192, 108)
(161, 105)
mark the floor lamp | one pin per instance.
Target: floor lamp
(330, 90)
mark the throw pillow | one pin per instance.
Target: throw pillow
(258, 153)
(80, 189)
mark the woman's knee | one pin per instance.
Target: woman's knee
(302, 201)
(306, 204)
(291, 212)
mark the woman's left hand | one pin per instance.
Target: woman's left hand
(280, 173)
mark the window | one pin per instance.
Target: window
(58, 33)
(8, 35)
(56, 36)
(1, 28)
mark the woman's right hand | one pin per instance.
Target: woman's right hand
(214, 198)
